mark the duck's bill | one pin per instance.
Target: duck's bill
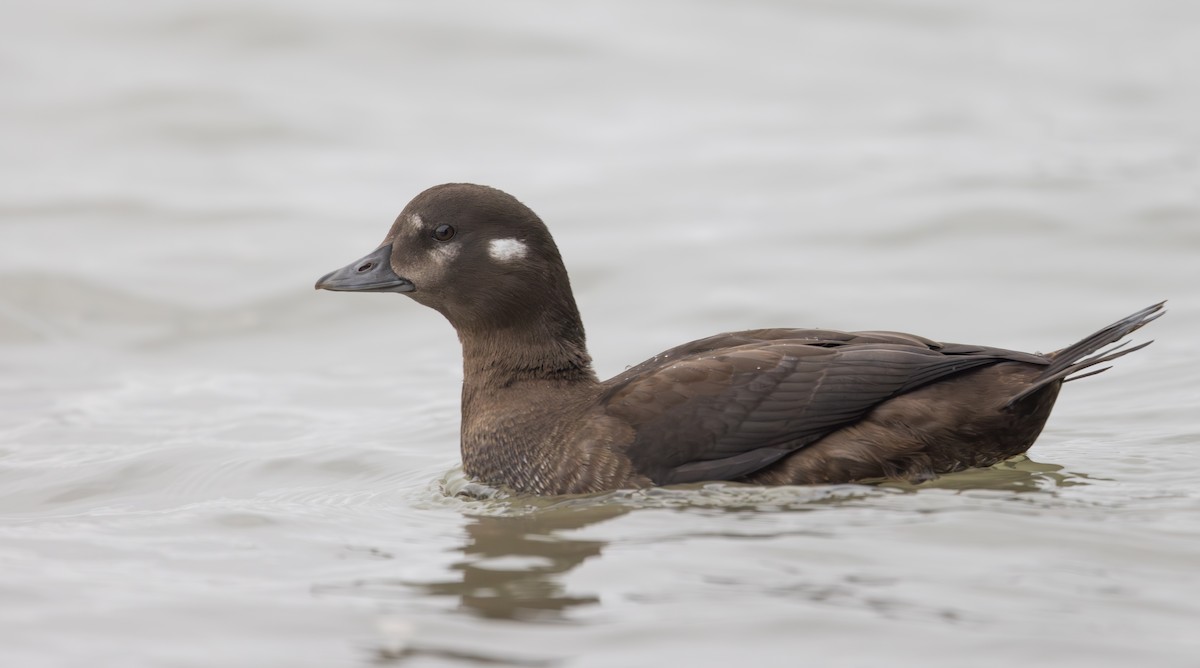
(372, 273)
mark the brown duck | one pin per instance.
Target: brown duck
(766, 406)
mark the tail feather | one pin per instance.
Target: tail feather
(1090, 373)
(1074, 358)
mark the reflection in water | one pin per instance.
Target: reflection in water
(512, 564)
(1019, 474)
(515, 553)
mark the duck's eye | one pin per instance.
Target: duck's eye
(443, 232)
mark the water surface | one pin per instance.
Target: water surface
(203, 462)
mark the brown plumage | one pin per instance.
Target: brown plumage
(770, 406)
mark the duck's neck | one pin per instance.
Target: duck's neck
(520, 386)
(546, 349)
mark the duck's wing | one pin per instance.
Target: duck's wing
(814, 337)
(710, 412)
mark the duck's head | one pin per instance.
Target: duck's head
(473, 253)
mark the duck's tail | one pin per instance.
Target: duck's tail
(1069, 361)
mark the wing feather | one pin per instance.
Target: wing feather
(708, 410)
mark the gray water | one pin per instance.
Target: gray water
(203, 462)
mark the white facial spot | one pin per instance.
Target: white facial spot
(444, 253)
(507, 250)
(415, 221)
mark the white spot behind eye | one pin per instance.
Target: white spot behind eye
(507, 250)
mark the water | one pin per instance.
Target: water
(203, 462)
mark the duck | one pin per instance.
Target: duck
(764, 406)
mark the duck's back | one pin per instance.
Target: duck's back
(731, 405)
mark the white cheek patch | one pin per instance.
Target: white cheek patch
(507, 250)
(444, 253)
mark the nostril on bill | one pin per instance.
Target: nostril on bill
(366, 266)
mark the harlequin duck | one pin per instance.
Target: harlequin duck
(765, 406)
